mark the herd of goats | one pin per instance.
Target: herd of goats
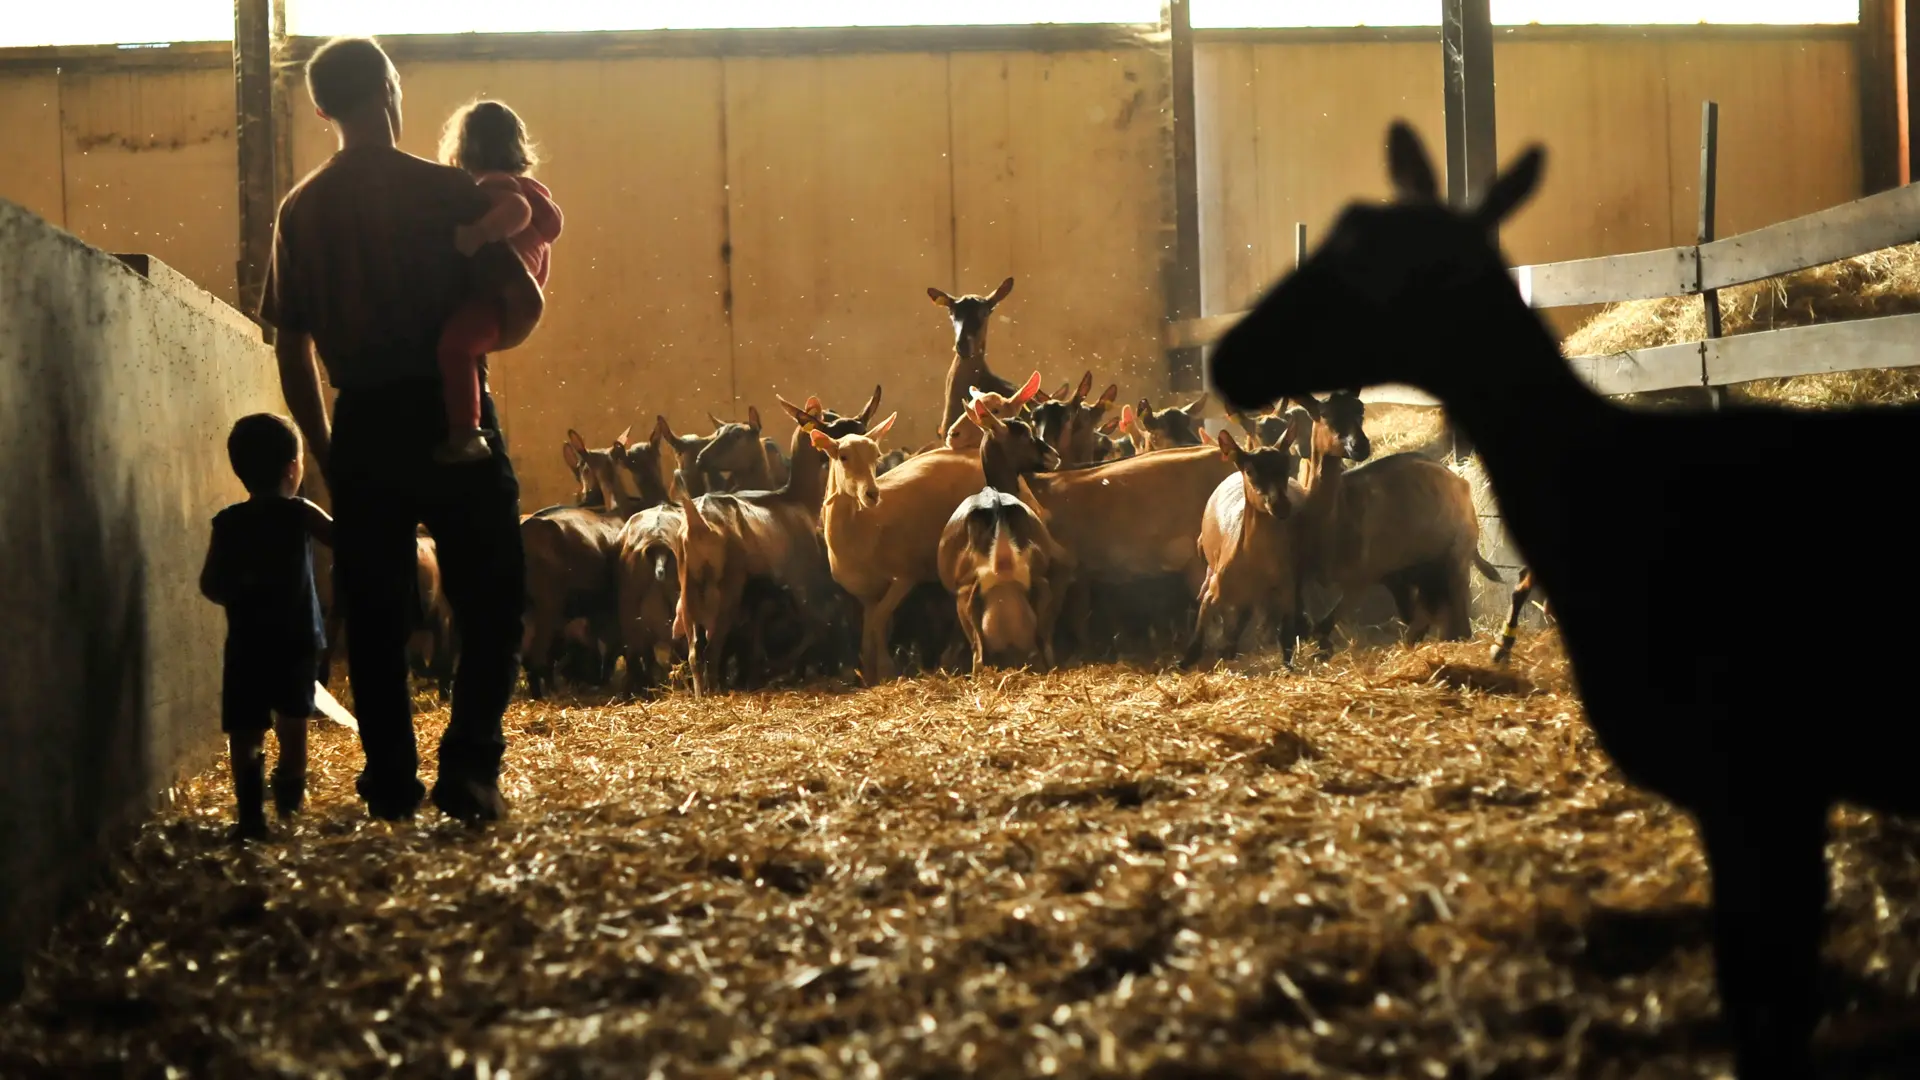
(1041, 527)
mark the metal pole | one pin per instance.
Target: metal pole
(1299, 243)
(254, 144)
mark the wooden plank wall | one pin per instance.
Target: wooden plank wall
(1290, 132)
(130, 161)
(840, 187)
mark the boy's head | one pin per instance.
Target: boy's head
(351, 78)
(265, 452)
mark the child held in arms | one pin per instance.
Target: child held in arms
(260, 568)
(488, 140)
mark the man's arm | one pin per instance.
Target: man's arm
(300, 385)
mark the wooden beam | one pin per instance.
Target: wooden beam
(1879, 95)
(1183, 278)
(254, 140)
(89, 59)
(1885, 220)
(1466, 29)
(1532, 32)
(790, 41)
(1907, 56)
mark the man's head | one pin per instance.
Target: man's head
(352, 81)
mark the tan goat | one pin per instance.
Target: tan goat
(1246, 539)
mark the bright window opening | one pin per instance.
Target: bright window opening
(1283, 13)
(324, 18)
(115, 22)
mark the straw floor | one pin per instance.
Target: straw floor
(1399, 863)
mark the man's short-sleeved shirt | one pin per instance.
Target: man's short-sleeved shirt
(364, 262)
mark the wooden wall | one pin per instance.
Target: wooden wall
(745, 226)
(129, 161)
(1290, 132)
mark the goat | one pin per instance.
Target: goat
(890, 461)
(1124, 522)
(1686, 716)
(969, 367)
(883, 533)
(733, 458)
(998, 560)
(1246, 539)
(685, 478)
(1117, 440)
(730, 539)
(1404, 521)
(648, 586)
(1178, 425)
(1071, 425)
(432, 647)
(964, 432)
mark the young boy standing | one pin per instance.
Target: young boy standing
(260, 568)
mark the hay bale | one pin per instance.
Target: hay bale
(1867, 286)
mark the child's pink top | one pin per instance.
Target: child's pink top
(534, 232)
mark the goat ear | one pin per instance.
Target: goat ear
(873, 403)
(1197, 406)
(1000, 293)
(572, 456)
(1085, 388)
(1111, 426)
(939, 297)
(753, 419)
(798, 414)
(717, 422)
(574, 439)
(1228, 448)
(1032, 386)
(1106, 399)
(882, 427)
(1409, 166)
(1511, 188)
(823, 442)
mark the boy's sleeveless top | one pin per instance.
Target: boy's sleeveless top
(268, 567)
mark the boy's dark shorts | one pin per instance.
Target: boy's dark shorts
(255, 687)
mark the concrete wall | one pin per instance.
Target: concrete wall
(116, 392)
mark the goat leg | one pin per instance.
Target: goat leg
(963, 608)
(876, 666)
(1767, 854)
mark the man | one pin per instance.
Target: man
(365, 271)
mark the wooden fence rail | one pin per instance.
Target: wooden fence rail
(1855, 228)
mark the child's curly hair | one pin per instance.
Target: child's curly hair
(486, 136)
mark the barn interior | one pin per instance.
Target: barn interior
(1389, 858)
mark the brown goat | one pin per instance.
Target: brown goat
(648, 580)
(1071, 425)
(883, 532)
(1246, 539)
(969, 368)
(1402, 521)
(733, 458)
(1122, 521)
(1002, 567)
(1174, 426)
(731, 539)
(964, 433)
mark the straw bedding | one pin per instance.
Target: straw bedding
(1398, 863)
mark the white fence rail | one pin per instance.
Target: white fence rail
(1855, 228)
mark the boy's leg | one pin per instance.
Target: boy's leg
(467, 337)
(474, 515)
(248, 751)
(290, 769)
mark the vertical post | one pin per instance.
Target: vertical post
(253, 36)
(1299, 243)
(1467, 38)
(1183, 284)
(1880, 128)
(1709, 198)
(1907, 69)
